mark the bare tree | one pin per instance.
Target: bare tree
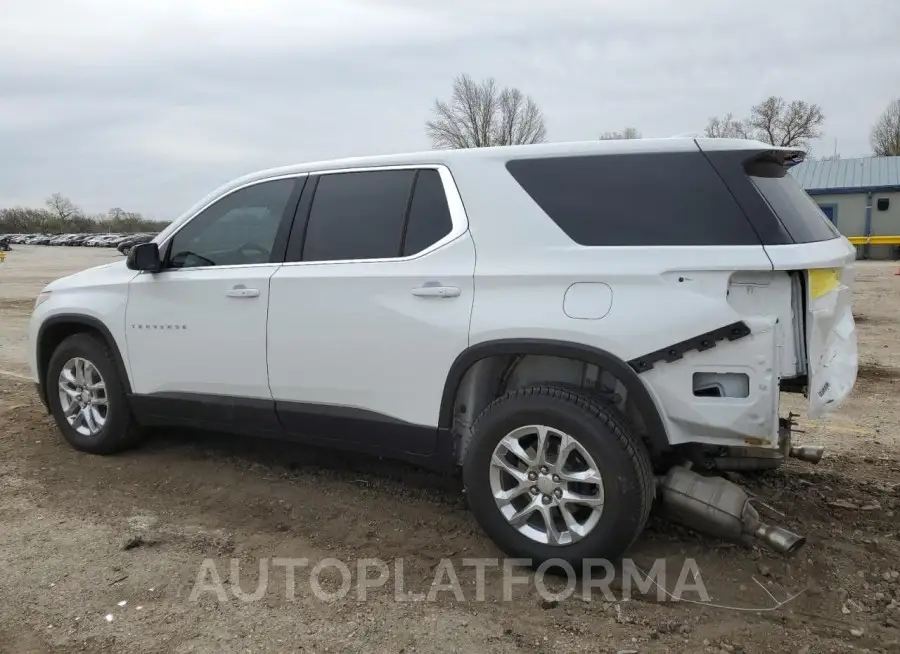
(885, 136)
(62, 207)
(788, 125)
(773, 121)
(627, 133)
(726, 127)
(482, 114)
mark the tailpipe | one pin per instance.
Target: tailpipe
(809, 453)
(720, 508)
(779, 539)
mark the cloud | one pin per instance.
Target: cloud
(111, 33)
(151, 105)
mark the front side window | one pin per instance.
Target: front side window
(239, 229)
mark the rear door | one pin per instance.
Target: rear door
(371, 307)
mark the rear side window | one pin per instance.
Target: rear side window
(429, 214)
(358, 215)
(635, 199)
(803, 219)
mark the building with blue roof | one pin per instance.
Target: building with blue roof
(861, 196)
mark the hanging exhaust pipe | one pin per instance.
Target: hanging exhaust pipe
(720, 508)
(809, 453)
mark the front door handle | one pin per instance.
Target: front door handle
(242, 291)
(436, 291)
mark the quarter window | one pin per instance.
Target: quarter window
(635, 199)
(800, 215)
(238, 229)
(429, 215)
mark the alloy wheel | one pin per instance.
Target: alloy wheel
(546, 484)
(82, 396)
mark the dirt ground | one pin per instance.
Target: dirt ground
(101, 554)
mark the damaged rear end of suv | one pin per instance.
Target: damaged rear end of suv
(702, 265)
(801, 312)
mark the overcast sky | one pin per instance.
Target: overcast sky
(150, 104)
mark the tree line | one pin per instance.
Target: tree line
(480, 114)
(60, 215)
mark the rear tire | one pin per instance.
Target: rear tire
(87, 397)
(592, 442)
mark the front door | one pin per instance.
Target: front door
(196, 331)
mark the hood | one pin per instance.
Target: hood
(115, 272)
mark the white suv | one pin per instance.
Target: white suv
(573, 325)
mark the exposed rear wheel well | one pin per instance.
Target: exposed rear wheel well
(476, 381)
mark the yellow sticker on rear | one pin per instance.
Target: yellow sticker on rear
(824, 281)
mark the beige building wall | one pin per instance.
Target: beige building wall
(850, 218)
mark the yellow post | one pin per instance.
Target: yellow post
(874, 240)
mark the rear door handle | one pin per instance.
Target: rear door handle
(436, 291)
(242, 291)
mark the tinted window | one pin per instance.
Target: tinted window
(238, 229)
(800, 215)
(429, 214)
(635, 199)
(358, 215)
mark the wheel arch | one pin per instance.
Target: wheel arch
(657, 439)
(55, 329)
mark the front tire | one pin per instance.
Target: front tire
(87, 397)
(554, 474)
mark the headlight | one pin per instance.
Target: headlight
(45, 295)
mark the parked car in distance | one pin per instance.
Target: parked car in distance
(576, 328)
(126, 244)
(70, 240)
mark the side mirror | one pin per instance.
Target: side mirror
(144, 257)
